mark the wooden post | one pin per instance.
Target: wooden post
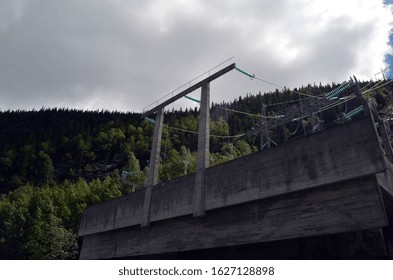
(152, 177)
(203, 152)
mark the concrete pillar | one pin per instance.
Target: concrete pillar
(203, 152)
(359, 95)
(152, 177)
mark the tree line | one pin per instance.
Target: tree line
(56, 162)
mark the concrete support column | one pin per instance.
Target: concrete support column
(203, 152)
(152, 177)
(359, 95)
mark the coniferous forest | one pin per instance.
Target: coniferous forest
(56, 162)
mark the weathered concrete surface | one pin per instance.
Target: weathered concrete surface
(203, 152)
(154, 164)
(341, 153)
(173, 199)
(116, 213)
(385, 179)
(344, 152)
(347, 206)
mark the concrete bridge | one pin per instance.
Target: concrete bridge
(327, 195)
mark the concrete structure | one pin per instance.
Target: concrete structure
(154, 164)
(203, 144)
(334, 186)
(203, 152)
(202, 160)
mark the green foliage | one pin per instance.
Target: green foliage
(173, 167)
(54, 163)
(41, 223)
(380, 99)
(231, 151)
(134, 177)
(45, 169)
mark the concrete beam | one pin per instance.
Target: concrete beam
(203, 152)
(154, 164)
(343, 207)
(190, 89)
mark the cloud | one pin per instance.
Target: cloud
(123, 55)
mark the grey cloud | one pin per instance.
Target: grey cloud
(125, 54)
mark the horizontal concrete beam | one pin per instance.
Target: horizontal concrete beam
(190, 89)
(342, 207)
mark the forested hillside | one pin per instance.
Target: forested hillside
(56, 162)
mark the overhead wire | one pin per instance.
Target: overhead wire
(273, 84)
(297, 127)
(327, 107)
(187, 83)
(320, 110)
(367, 85)
(332, 94)
(284, 102)
(296, 100)
(349, 97)
(233, 110)
(374, 88)
(195, 132)
(249, 114)
(375, 85)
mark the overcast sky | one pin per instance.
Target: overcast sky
(123, 55)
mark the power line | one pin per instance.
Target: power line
(374, 88)
(291, 116)
(298, 123)
(328, 101)
(270, 83)
(195, 132)
(284, 102)
(366, 85)
(207, 73)
(249, 114)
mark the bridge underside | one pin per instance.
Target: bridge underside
(353, 206)
(324, 196)
(367, 244)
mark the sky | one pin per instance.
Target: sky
(124, 55)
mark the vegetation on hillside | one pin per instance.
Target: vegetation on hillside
(56, 162)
